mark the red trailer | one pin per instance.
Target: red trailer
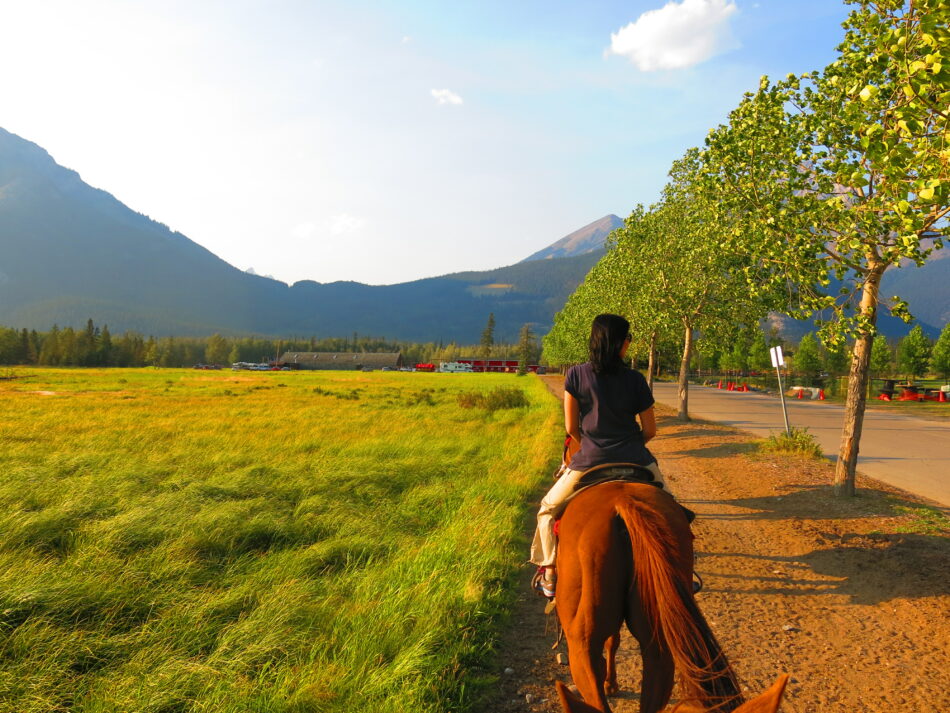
(498, 366)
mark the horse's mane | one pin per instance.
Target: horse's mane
(667, 600)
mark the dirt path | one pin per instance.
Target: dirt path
(797, 581)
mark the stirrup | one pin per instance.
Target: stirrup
(541, 585)
(697, 583)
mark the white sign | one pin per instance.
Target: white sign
(777, 357)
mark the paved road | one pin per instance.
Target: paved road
(905, 452)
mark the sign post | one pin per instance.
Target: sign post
(778, 361)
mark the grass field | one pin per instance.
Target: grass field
(174, 540)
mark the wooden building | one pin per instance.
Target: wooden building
(341, 361)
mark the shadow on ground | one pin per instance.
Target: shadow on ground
(811, 502)
(868, 569)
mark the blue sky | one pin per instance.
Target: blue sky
(387, 141)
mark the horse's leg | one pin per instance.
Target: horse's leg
(588, 669)
(657, 686)
(589, 621)
(610, 685)
(657, 683)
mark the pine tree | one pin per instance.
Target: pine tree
(105, 350)
(488, 337)
(217, 349)
(33, 352)
(526, 348)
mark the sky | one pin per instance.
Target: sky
(384, 142)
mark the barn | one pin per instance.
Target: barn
(341, 361)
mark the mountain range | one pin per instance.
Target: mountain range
(69, 252)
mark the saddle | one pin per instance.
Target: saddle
(622, 472)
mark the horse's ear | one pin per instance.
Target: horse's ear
(767, 702)
(571, 703)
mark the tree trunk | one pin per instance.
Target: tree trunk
(683, 391)
(856, 399)
(651, 364)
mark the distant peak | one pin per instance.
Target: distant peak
(584, 240)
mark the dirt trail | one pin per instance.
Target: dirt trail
(797, 581)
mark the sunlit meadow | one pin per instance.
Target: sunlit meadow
(177, 540)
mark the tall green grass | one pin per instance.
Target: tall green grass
(191, 541)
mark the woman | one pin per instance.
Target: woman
(603, 400)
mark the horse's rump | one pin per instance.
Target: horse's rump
(643, 578)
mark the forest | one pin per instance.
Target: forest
(95, 346)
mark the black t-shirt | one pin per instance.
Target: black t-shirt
(609, 404)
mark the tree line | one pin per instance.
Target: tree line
(912, 357)
(815, 186)
(95, 346)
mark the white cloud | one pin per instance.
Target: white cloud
(345, 223)
(406, 39)
(446, 96)
(678, 35)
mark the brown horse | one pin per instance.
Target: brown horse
(626, 555)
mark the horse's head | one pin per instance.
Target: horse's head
(768, 702)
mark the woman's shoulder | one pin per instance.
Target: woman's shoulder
(579, 369)
(634, 377)
(632, 373)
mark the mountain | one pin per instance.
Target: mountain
(926, 289)
(586, 240)
(69, 252)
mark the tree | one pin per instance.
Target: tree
(687, 280)
(844, 175)
(488, 337)
(217, 349)
(735, 359)
(49, 350)
(940, 356)
(835, 360)
(151, 352)
(167, 353)
(807, 359)
(759, 358)
(881, 356)
(913, 353)
(526, 348)
(104, 352)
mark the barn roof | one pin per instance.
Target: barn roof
(342, 360)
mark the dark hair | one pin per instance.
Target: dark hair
(607, 335)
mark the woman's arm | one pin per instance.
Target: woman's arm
(572, 417)
(648, 424)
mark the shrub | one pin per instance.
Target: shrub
(421, 397)
(799, 442)
(496, 399)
